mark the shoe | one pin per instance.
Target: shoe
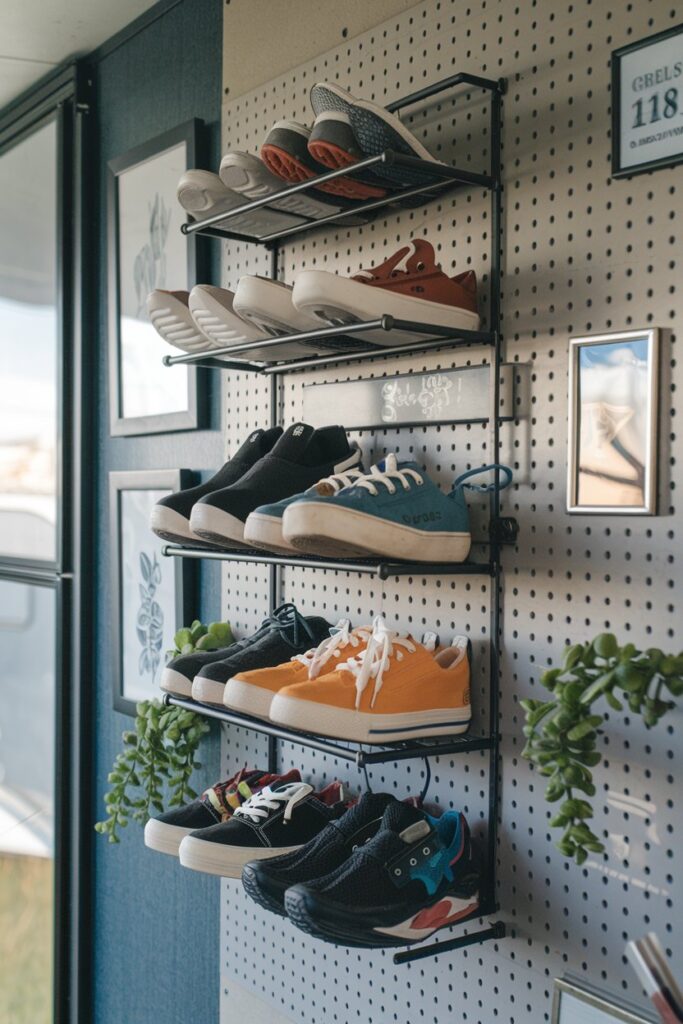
(300, 458)
(373, 130)
(216, 804)
(397, 689)
(277, 820)
(285, 152)
(170, 517)
(252, 692)
(408, 286)
(268, 304)
(263, 528)
(202, 194)
(266, 881)
(395, 511)
(416, 876)
(170, 317)
(282, 635)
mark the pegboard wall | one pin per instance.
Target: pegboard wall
(581, 254)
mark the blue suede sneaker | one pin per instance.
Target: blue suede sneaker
(394, 511)
(263, 528)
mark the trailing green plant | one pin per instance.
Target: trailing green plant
(562, 733)
(199, 637)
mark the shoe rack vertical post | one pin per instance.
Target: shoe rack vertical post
(274, 574)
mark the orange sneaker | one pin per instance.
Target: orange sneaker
(252, 692)
(396, 690)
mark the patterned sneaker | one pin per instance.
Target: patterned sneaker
(267, 881)
(398, 689)
(252, 692)
(277, 820)
(417, 875)
(216, 804)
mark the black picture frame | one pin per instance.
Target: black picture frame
(192, 134)
(618, 169)
(142, 480)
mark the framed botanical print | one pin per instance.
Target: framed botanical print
(151, 594)
(613, 411)
(147, 250)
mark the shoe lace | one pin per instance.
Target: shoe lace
(262, 804)
(290, 624)
(340, 637)
(387, 475)
(383, 645)
(331, 485)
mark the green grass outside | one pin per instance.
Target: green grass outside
(25, 940)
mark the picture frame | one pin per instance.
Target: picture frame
(152, 595)
(647, 104)
(147, 250)
(613, 423)
(573, 1004)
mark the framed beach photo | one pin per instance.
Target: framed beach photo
(612, 436)
(573, 1004)
(147, 250)
(151, 594)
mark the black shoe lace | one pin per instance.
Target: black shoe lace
(290, 624)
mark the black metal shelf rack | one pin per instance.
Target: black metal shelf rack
(442, 179)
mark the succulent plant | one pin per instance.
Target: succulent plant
(199, 637)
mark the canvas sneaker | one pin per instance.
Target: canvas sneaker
(395, 511)
(170, 316)
(263, 528)
(252, 692)
(396, 689)
(202, 194)
(276, 820)
(216, 804)
(170, 517)
(417, 875)
(266, 881)
(282, 635)
(301, 457)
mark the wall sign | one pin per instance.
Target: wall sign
(647, 104)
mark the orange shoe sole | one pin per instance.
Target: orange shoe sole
(291, 169)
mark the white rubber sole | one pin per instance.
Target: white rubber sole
(202, 193)
(175, 683)
(218, 859)
(339, 300)
(366, 726)
(268, 304)
(207, 691)
(247, 698)
(308, 524)
(218, 527)
(249, 176)
(453, 910)
(262, 531)
(165, 838)
(171, 525)
(172, 320)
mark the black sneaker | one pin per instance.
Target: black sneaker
(267, 881)
(170, 518)
(417, 875)
(274, 821)
(285, 633)
(178, 674)
(300, 458)
(216, 804)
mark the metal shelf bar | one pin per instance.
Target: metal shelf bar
(496, 931)
(462, 78)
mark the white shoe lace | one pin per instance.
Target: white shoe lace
(261, 805)
(388, 475)
(340, 637)
(384, 644)
(331, 485)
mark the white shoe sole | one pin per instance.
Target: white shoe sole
(249, 176)
(247, 698)
(268, 304)
(218, 527)
(202, 194)
(366, 726)
(208, 691)
(457, 910)
(339, 300)
(227, 861)
(171, 526)
(310, 524)
(165, 838)
(262, 531)
(175, 683)
(172, 320)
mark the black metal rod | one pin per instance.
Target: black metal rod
(459, 745)
(496, 931)
(446, 83)
(210, 362)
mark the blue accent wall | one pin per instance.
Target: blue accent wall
(156, 925)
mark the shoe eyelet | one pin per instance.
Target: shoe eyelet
(420, 265)
(397, 871)
(413, 861)
(426, 851)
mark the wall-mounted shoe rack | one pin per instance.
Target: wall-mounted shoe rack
(501, 530)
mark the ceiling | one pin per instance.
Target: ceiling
(37, 35)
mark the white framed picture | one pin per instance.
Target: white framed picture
(573, 1004)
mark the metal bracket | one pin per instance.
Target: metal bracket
(496, 931)
(503, 530)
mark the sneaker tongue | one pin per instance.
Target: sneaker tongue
(259, 443)
(294, 442)
(369, 807)
(406, 821)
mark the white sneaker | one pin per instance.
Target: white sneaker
(171, 318)
(202, 193)
(268, 304)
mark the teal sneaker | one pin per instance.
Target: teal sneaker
(263, 528)
(394, 511)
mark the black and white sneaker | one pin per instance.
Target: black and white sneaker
(300, 458)
(170, 518)
(267, 881)
(277, 820)
(281, 636)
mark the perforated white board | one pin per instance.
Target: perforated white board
(581, 254)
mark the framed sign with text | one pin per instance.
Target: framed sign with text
(647, 104)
